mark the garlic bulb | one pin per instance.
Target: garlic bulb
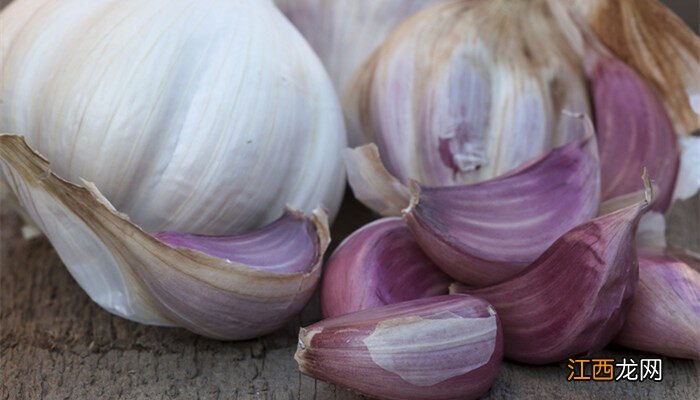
(221, 287)
(343, 33)
(464, 91)
(658, 45)
(206, 117)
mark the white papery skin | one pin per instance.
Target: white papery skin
(198, 116)
(486, 78)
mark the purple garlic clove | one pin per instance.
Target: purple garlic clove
(634, 130)
(485, 233)
(445, 347)
(573, 299)
(379, 264)
(665, 313)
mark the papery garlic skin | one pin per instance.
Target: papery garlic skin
(688, 182)
(654, 41)
(230, 289)
(573, 299)
(665, 313)
(206, 117)
(456, 82)
(378, 264)
(445, 347)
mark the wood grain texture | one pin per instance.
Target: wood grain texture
(57, 344)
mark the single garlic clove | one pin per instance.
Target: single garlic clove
(225, 288)
(573, 299)
(378, 264)
(658, 45)
(445, 347)
(450, 85)
(485, 233)
(633, 130)
(665, 313)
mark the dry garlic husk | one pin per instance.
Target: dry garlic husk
(573, 299)
(206, 116)
(658, 45)
(378, 264)
(485, 233)
(220, 287)
(445, 347)
(633, 129)
(665, 313)
(456, 82)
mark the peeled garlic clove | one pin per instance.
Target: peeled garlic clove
(487, 232)
(445, 347)
(178, 110)
(633, 130)
(573, 299)
(224, 288)
(378, 264)
(450, 86)
(665, 313)
(654, 41)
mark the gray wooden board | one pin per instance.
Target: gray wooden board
(55, 343)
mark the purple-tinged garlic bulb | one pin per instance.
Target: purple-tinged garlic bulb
(445, 347)
(466, 90)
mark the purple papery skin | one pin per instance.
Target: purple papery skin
(634, 131)
(665, 313)
(378, 264)
(334, 350)
(485, 233)
(288, 245)
(573, 299)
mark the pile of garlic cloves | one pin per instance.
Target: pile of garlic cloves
(505, 145)
(536, 174)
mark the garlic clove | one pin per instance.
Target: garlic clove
(450, 85)
(378, 264)
(633, 129)
(665, 313)
(573, 299)
(224, 288)
(654, 41)
(445, 347)
(372, 184)
(485, 233)
(683, 226)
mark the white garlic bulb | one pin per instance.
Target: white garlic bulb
(204, 116)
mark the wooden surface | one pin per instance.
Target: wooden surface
(56, 344)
